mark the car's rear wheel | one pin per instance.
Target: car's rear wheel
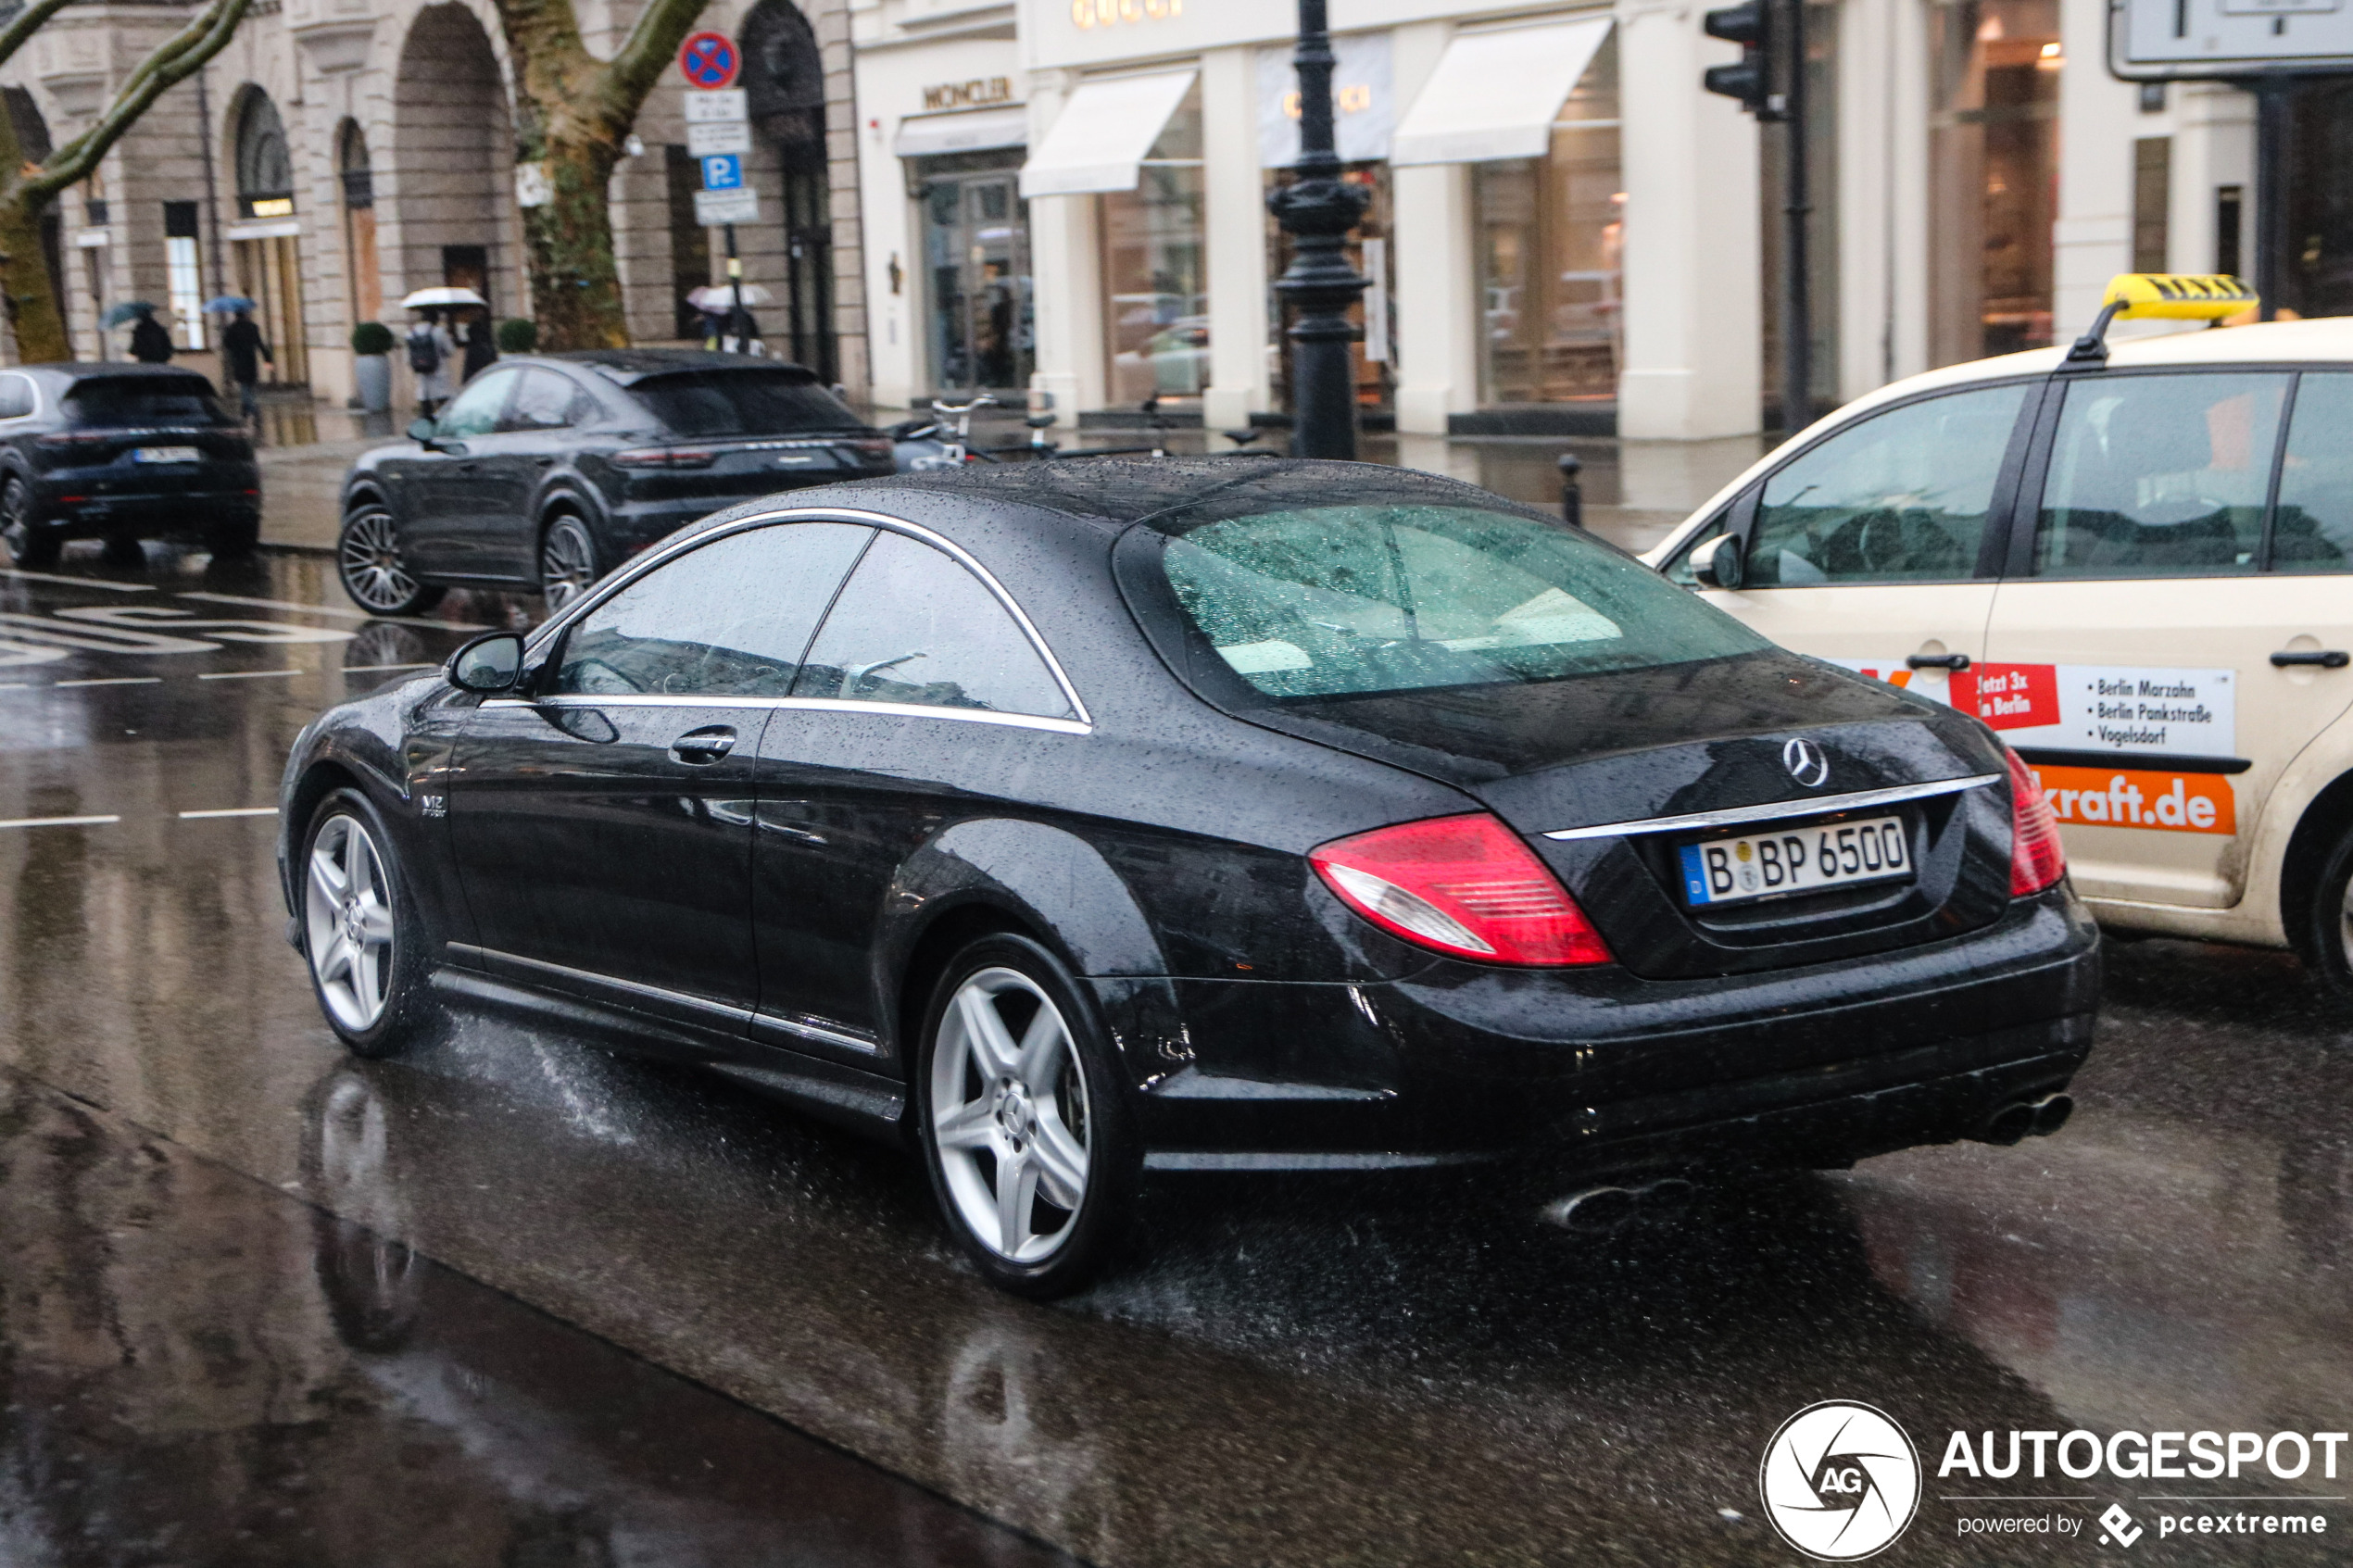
(360, 929)
(2328, 923)
(29, 547)
(373, 569)
(567, 562)
(1025, 1123)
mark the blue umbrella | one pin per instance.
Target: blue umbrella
(228, 304)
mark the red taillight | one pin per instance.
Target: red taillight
(1465, 886)
(664, 457)
(2036, 860)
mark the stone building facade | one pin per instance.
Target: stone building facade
(340, 154)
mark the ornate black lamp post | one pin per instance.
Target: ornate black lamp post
(1318, 210)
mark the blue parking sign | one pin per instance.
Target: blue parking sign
(723, 171)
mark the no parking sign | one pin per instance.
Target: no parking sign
(708, 61)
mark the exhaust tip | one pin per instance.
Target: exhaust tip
(2051, 1113)
(2008, 1125)
(1599, 1210)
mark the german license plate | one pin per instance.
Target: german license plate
(1730, 870)
(166, 455)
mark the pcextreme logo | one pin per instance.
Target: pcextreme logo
(1841, 1481)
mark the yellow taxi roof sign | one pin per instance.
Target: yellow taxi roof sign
(2177, 296)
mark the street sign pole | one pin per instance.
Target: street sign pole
(738, 327)
(719, 137)
(1798, 320)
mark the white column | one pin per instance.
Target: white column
(2092, 240)
(1883, 183)
(1436, 281)
(1693, 366)
(1066, 260)
(894, 243)
(1236, 217)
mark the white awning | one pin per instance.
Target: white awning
(966, 131)
(1103, 133)
(1496, 94)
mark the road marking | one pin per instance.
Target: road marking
(111, 681)
(248, 674)
(59, 822)
(80, 582)
(229, 811)
(15, 685)
(372, 668)
(328, 610)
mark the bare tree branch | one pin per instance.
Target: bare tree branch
(173, 62)
(28, 22)
(661, 28)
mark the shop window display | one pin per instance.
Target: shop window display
(1155, 271)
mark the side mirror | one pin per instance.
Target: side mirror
(489, 663)
(1716, 564)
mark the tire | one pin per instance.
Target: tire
(374, 572)
(362, 937)
(569, 566)
(235, 539)
(33, 549)
(1049, 1110)
(2328, 931)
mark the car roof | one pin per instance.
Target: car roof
(627, 366)
(122, 370)
(2268, 343)
(1127, 490)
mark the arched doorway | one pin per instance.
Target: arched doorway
(265, 255)
(452, 176)
(785, 78)
(356, 180)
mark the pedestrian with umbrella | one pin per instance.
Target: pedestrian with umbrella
(432, 352)
(150, 343)
(243, 349)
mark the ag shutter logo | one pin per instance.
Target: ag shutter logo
(1841, 1481)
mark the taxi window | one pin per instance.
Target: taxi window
(2159, 476)
(2313, 530)
(1897, 497)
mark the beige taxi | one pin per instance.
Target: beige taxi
(2134, 560)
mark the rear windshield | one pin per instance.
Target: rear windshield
(145, 400)
(707, 404)
(1341, 601)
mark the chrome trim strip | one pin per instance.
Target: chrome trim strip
(550, 629)
(627, 987)
(806, 704)
(1780, 810)
(808, 1030)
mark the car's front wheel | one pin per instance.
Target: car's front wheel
(1025, 1123)
(567, 562)
(29, 547)
(373, 569)
(360, 929)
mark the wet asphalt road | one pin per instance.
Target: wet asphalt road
(511, 1300)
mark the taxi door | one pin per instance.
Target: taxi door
(1869, 548)
(2156, 653)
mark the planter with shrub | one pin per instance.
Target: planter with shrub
(517, 335)
(372, 345)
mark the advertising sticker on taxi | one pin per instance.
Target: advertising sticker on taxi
(2125, 711)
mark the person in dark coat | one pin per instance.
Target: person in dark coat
(480, 350)
(243, 350)
(150, 345)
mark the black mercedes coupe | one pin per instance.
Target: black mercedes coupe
(1072, 821)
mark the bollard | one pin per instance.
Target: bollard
(1572, 500)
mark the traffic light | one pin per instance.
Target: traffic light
(1750, 80)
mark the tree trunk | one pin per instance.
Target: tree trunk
(35, 310)
(575, 288)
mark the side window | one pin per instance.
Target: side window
(1677, 569)
(543, 402)
(475, 410)
(729, 620)
(913, 626)
(16, 397)
(2159, 476)
(2313, 530)
(1897, 497)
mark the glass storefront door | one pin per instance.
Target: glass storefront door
(1992, 175)
(976, 262)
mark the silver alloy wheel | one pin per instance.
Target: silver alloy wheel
(1010, 1118)
(371, 564)
(567, 563)
(348, 918)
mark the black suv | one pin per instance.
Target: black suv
(125, 453)
(548, 471)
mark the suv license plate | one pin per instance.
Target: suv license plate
(166, 455)
(1731, 870)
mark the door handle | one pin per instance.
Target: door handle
(702, 747)
(1954, 662)
(2324, 658)
(545, 462)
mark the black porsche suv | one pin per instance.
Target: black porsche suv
(548, 471)
(122, 453)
